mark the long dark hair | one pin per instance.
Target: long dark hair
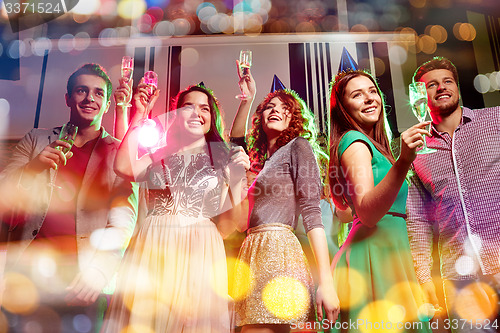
(214, 136)
(341, 122)
(216, 121)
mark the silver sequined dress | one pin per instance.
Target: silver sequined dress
(174, 278)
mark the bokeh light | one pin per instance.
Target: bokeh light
(46, 265)
(464, 31)
(145, 23)
(20, 294)
(219, 23)
(437, 32)
(494, 81)
(279, 26)
(87, 7)
(182, 26)
(131, 9)
(218, 277)
(427, 44)
(305, 27)
(356, 291)
(464, 265)
(164, 29)
(80, 18)
(16, 49)
(156, 14)
(158, 3)
(379, 66)
(245, 278)
(41, 45)
(359, 28)
(286, 298)
(481, 294)
(397, 314)
(82, 41)
(398, 54)
(107, 36)
(65, 43)
(377, 316)
(403, 294)
(108, 9)
(205, 11)
(482, 83)
(254, 24)
(418, 3)
(82, 323)
(189, 57)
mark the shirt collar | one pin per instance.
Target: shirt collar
(467, 116)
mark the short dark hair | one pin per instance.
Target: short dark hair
(435, 63)
(90, 69)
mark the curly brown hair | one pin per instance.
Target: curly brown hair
(301, 124)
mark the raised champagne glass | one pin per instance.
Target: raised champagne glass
(245, 64)
(127, 70)
(151, 79)
(418, 102)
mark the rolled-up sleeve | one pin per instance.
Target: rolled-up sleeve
(420, 210)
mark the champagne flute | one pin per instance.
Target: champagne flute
(245, 64)
(151, 80)
(67, 134)
(127, 72)
(418, 101)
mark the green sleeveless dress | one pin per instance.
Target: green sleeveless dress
(373, 271)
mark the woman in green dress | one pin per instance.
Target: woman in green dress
(373, 271)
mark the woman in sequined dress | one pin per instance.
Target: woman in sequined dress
(174, 276)
(274, 290)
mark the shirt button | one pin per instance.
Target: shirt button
(34, 233)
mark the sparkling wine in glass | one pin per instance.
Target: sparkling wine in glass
(127, 72)
(245, 64)
(127, 67)
(68, 134)
(151, 79)
(418, 101)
